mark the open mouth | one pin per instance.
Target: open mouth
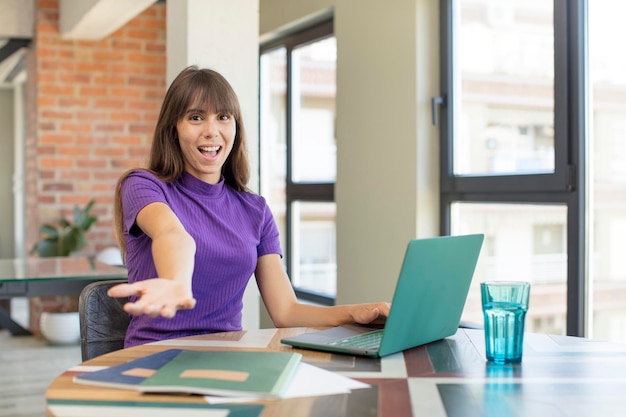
(210, 150)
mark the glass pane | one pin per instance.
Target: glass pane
(313, 117)
(523, 242)
(607, 156)
(273, 110)
(314, 248)
(504, 87)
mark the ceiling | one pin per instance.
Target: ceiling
(78, 19)
(16, 31)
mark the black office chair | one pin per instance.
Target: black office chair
(103, 321)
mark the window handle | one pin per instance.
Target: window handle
(435, 103)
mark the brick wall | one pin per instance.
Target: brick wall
(96, 103)
(91, 110)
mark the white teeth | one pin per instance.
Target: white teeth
(209, 148)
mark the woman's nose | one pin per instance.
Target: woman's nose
(210, 129)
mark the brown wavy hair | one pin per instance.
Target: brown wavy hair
(193, 87)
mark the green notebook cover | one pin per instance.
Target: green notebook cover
(262, 374)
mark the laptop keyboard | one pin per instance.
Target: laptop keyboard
(370, 340)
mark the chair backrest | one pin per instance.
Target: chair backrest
(103, 321)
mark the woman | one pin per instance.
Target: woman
(192, 233)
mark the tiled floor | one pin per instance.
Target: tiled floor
(27, 366)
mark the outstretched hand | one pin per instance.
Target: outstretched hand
(374, 313)
(156, 297)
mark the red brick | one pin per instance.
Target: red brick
(47, 53)
(109, 79)
(143, 58)
(75, 78)
(127, 163)
(66, 102)
(58, 186)
(127, 69)
(90, 67)
(109, 103)
(141, 129)
(91, 115)
(45, 199)
(75, 175)
(155, 47)
(55, 139)
(46, 150)
(109, 56)
(126, 92)
(125, 116)
(56, 114)
(56, 163)
(47, 126)
(47, 175)
(73, 200)
(67, 54)
(144, 105)
(75, 127)
(154, 69)
(126, 45)
(94, 45)
(73, 150)
(110, 152)
(93, 140)
(94, 91)
(125, 140)
(56, 90)
(109, 127)
(91, 163)
(143, 81)
(142, 34)
(49, 77)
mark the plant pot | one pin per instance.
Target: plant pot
(60, 328)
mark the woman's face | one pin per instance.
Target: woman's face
(206, 140)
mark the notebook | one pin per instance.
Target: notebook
(226, 373)
(427, 303)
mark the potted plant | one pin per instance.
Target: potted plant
(61, 324)
(64, 238)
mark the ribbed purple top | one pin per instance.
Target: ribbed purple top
(231, 229)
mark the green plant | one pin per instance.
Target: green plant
(65, 237)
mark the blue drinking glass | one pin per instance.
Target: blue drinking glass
(505, 304)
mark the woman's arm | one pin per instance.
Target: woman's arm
(173, 250)
(285, 310)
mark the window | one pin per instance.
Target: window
(607, 156)
(512, 146)
(298, 154)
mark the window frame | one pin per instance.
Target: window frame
(567, 185)
(299, 191)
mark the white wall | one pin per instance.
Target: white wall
(387, 150)
(222, 35)
(16, 18)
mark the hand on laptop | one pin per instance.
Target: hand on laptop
(372, 313)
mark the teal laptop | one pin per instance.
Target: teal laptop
(427, 303)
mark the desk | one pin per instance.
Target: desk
(559, 376)
(36, 277)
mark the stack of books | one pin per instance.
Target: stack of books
(224, 373)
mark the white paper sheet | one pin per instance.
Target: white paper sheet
(308, 381)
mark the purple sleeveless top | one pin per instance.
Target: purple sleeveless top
(231, 229)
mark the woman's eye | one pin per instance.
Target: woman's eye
(195, 117)
(224, 117)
